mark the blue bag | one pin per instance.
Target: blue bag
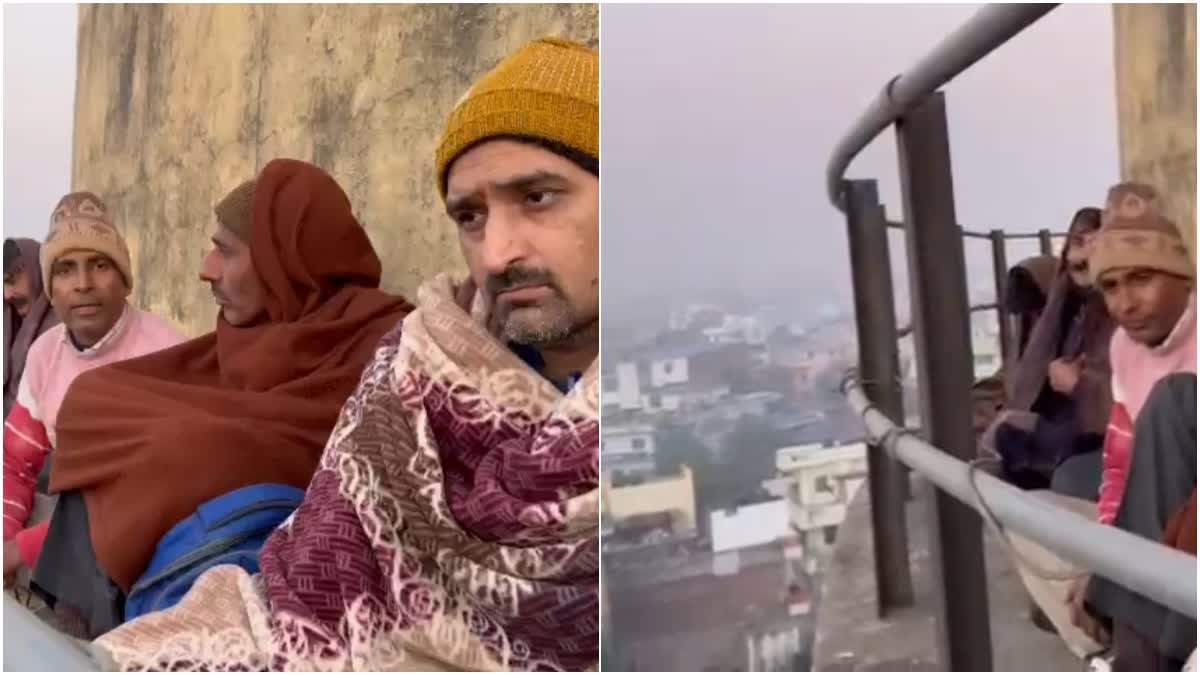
(228, 530)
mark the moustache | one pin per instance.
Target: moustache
(218, 297)
(518, 277)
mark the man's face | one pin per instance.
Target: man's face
(88, 294)
(1146, 303)
(1079, 248)
(236, 288)
(528, 225)
(18, 290)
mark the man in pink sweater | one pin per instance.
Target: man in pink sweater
(87, 275)
(1147, 277)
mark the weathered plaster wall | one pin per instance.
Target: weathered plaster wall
(177, 104)
(1156, 102)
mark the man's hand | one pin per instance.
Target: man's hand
(12, 562)
(1064, 374)
(1080, 617)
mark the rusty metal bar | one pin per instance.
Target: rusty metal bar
(1000, 274)
(937, 272)
(879, 362)
(971, 234)
(1046, 241)
(974, 234)
(907, 329)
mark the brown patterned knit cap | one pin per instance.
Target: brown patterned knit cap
(235, 210)
(1136, 233)
(80, 221)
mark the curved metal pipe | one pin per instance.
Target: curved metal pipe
(1162, 574)
(989, 28)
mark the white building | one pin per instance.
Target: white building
(818, 483)
(627, 451)
(749, 525)
(738, 330)
(621, 389)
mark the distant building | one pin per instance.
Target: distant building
(678, 371)
(672, 495)
(818, 483)
(627, 452)
(736, 330)
(747, 609)
(749, 525)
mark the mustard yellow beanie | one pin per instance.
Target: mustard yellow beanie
(548, 89)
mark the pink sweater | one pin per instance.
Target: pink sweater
(1136, 368)
(52, 365)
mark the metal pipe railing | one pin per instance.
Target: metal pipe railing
(907, 329)
(989, 28)
(975, 234)
(1162, 574)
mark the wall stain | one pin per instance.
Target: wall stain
(177, 104)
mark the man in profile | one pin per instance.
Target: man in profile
(460, 487)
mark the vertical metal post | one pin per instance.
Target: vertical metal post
(1000, 272)
(879, 366)
(1046, 241)
(937, 270)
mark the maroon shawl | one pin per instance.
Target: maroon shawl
(453, 524)
(150, 439)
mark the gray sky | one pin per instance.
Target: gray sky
(717, 122)
(39, 104)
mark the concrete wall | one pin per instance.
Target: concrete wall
(1155, 54)
(177, 104)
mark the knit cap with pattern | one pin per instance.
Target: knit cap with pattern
(1136, 233)
(548, 89)
(80, 222)
(234, 211)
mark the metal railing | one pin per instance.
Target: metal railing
(1157, 572)
(941, 331)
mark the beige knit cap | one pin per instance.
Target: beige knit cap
(236, 209)
(1135, 233)
(80, 222)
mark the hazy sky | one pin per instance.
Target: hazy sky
(718, 120)
(39, 104)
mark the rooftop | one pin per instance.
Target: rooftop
(851, 636)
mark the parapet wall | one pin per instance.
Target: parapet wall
(177, 104)
(1155, 49)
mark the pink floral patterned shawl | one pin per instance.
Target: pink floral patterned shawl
(453, 524)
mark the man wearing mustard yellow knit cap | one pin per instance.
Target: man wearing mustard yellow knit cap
(518, 167)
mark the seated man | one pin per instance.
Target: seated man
(1058, 395)
(1145, 276)
(1026, 293)
(143, 443)
(1161, 488)
(460, 488)
(86, 272)
(1025, 299)
(1148, 280)
(27, 311)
